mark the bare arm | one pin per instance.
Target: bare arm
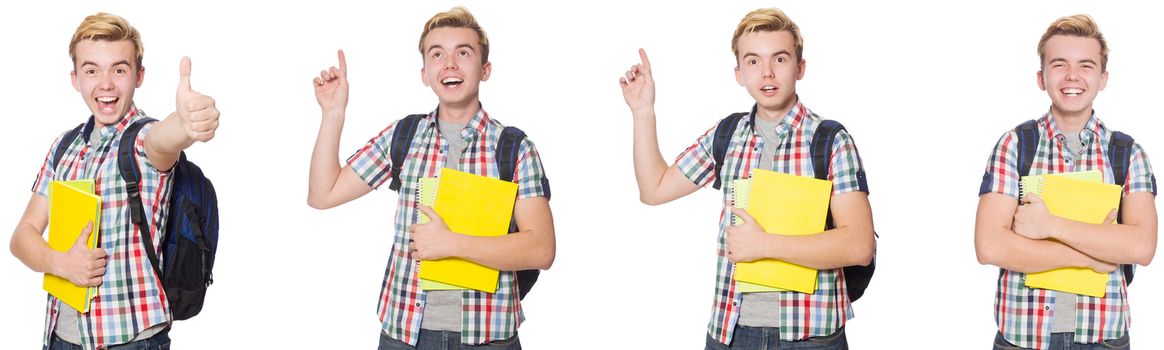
(1130, 242)
(532, 247)
(849, 243)
(80, 265)
(657, 182)
(996, 244)
(195, 119)
(328, 185)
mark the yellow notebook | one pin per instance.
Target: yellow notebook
(72, 206)
(472, 205)
(1081, 197)
(427, 196)
(788, 205)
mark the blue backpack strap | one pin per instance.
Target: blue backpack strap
(508, 150)
(821, 151)
(63, 146)
(1119, 155)
(1028, 143)
(127, 166)
(720, 142)
(401, 143)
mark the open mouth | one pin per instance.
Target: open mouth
(107, 103)
(452, 82)
(768, 88)
(1072, 92)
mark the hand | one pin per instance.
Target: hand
(80, 265)
(1102, 266)
(331, 87)
(638, 86)
(745, 242)
(433, 240)
(197, 111)
(1032, 219)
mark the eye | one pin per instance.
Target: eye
(463, 53)
(119, 71)
(90, 71)
(781, 59)
(437, 54)
(752, 61)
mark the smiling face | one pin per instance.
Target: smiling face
(106, 76)
(768, 68)
(453, 66)
(1072, 74)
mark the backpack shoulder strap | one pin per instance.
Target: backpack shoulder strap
(720, 142)
(401, 143)
(127, 166)
(1028, 142)
(1119, 155)
(821, 152)
(63, 146)
(508, 146)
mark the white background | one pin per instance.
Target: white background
(926, 89)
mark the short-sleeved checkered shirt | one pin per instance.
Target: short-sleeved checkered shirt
(1024, 314)
(485, 317)
(130, 298)
(801, 315)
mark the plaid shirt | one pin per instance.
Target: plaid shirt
(485, 317)
(130, 298)
(1024, 314)
(801, 315)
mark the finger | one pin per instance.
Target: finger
(199, 103)
(743, 214)
(630, 76)
(431, 214)
(93, 282)
(184, 75)
(622, 81)
(645, 60)
(99, 254)
(333, 72)
(317, 81)
(1034, 198)
(323, 75)
(343, 62)
(83, 239)
(1112, 216)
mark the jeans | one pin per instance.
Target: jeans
(444, 340)
(747, 338)
(1066, 341)
(160, 341)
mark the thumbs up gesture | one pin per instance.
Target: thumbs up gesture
(197, 111)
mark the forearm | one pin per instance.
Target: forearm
(165, 142)
(835, 248)
(30, 247)
(1116, 243)
(649, 163)
(1010, 251)
(325, 164)
(512, 252)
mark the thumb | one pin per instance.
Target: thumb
(83, 239)
(743, 214)
(429, 212)
(184, 76)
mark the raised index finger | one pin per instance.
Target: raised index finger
(343, 62)
(646, 62)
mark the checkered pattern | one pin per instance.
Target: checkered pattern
(130, 298)
(1024, 314)
(485, 316)
(801, 315)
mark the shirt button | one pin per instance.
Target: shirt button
(1047, 307)
(757, 148)
(417, 304)
(735, 304)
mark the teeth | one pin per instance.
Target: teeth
(768, 88)
(1072, 91)
(106, 99)
(451, 80)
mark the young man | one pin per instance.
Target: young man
(775, 136)
(1024, 237)
(130, 310)
(460, 135)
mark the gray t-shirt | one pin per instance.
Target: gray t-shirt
(1063, 316)
(442, 308)
(763, 309)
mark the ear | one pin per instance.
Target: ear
(140, 75)
(800, 69)
(422, 77)
(739, 78)
(485, 70)
(1039, 78)
(73, 78)
(1103, 80)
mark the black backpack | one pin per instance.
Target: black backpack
(506, 157)
(856, 277)
(191, 238)
(1119, 155)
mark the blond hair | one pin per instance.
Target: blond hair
(457, 17)
(769, 19)
(1078, 25)
(107, 27)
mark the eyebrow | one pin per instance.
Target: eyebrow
(121, 62)
(1064, 60)
(434, 46)
(778, 53)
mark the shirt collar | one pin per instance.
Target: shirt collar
(105, 132)
(477, 124)
(790, 121)
(1090, 130)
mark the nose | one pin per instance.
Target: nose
(1073, 74)
(768, 72)
(451, 64)
(105, 82)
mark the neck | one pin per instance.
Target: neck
(776, 112)
(458, 113)
(1070, 122)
